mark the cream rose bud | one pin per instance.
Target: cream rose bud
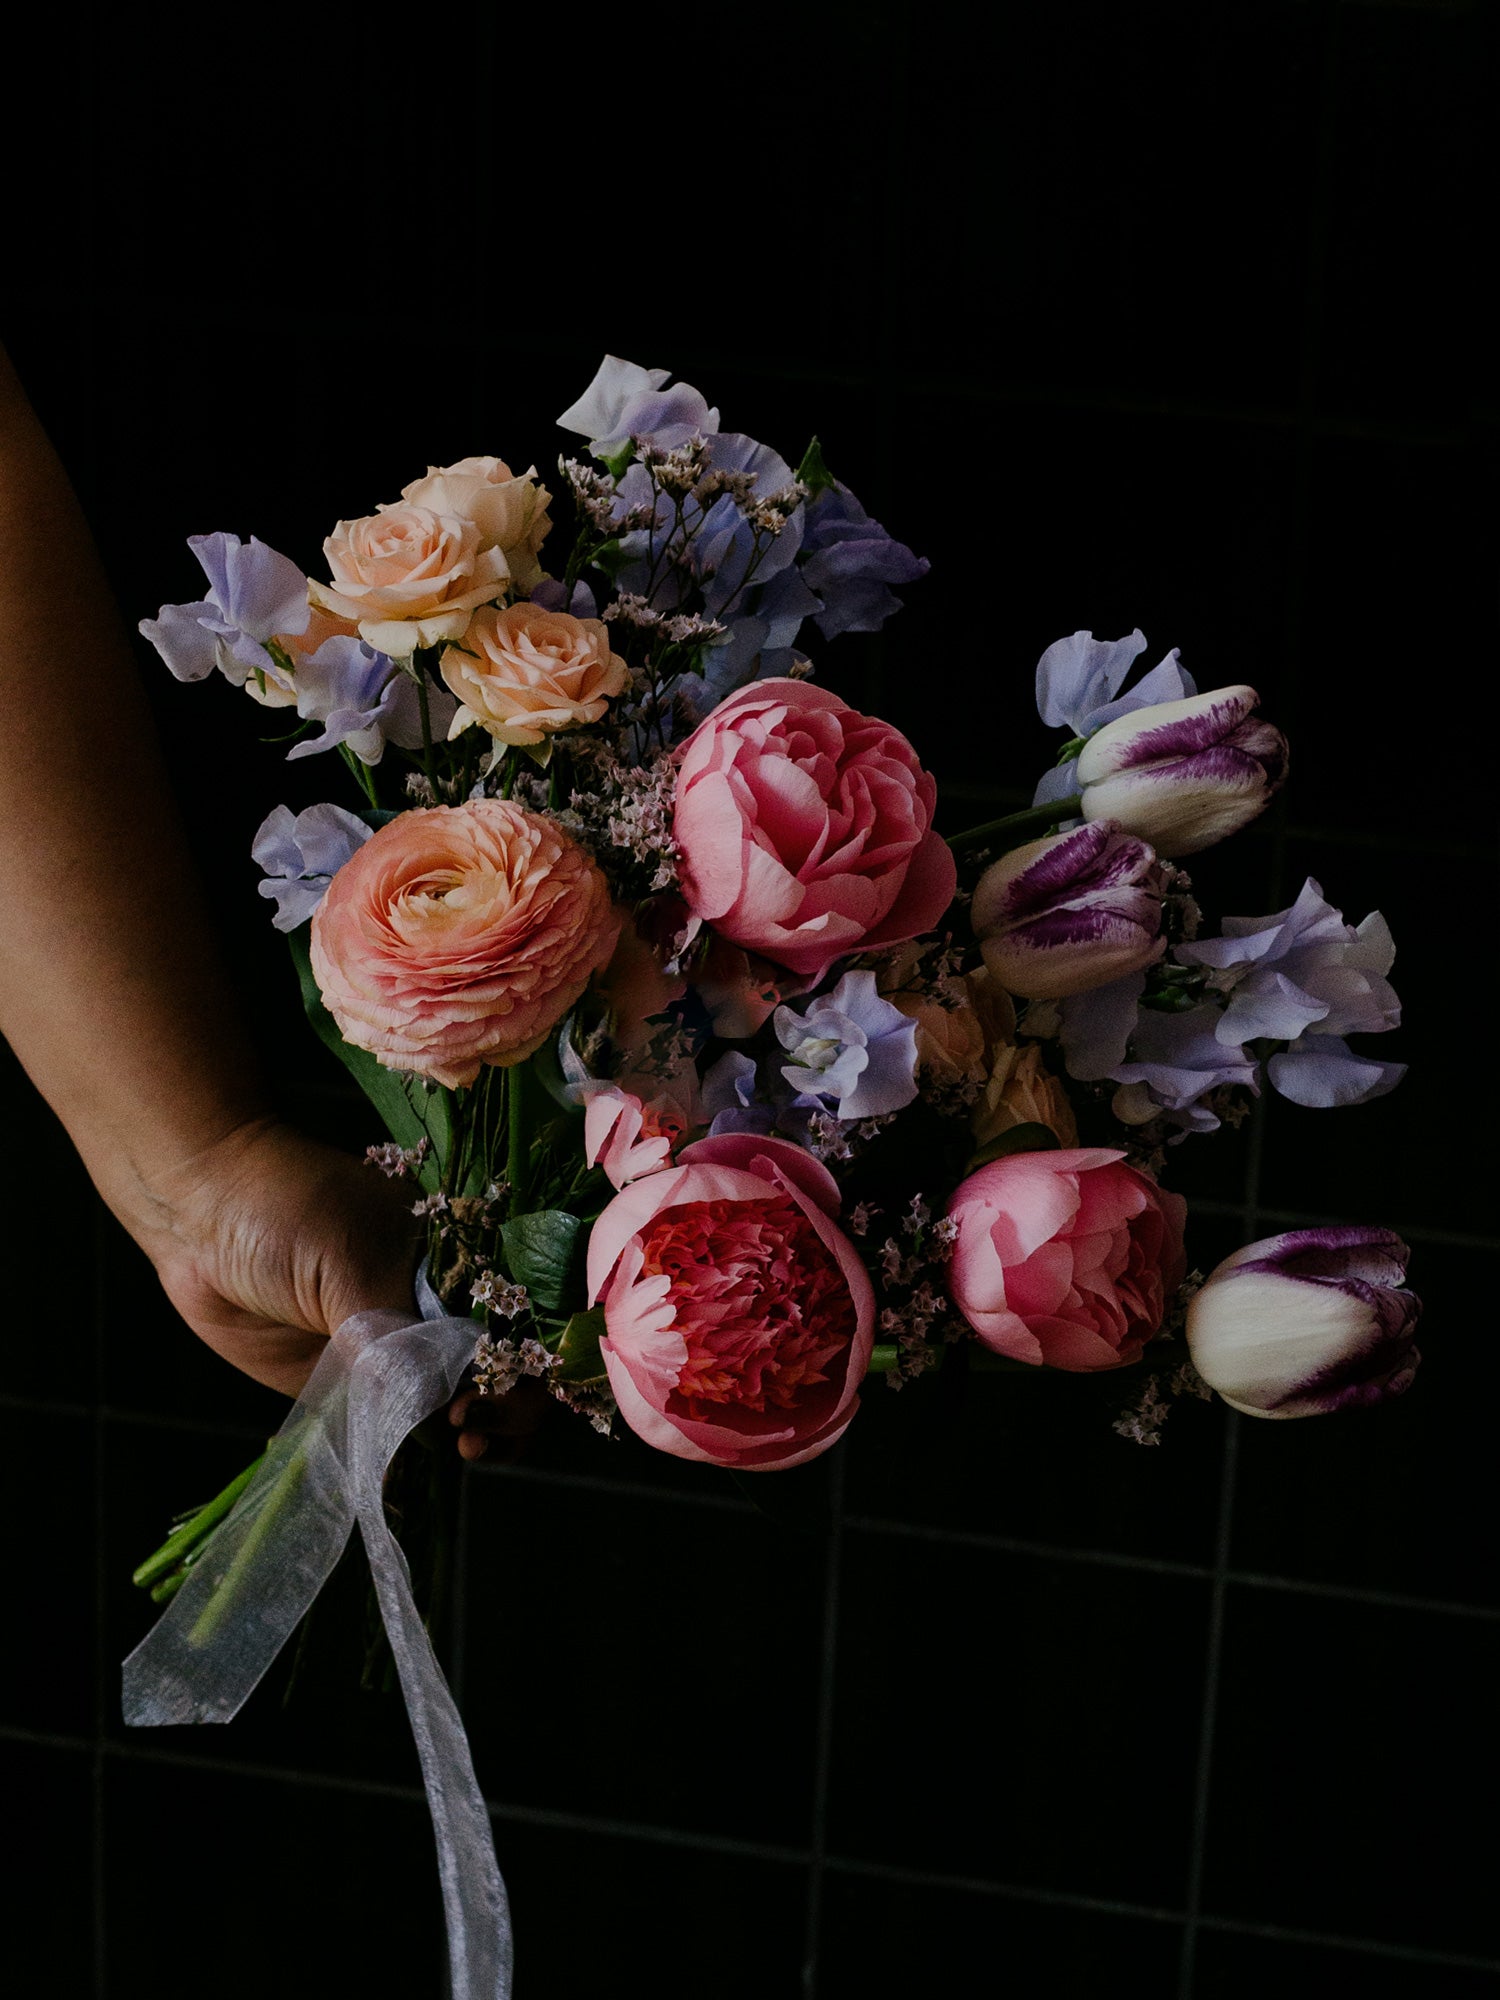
(509, 510)
(525, 673)
(1183, 774)
(409, 577)
(1312, 1321)
(1071, 912)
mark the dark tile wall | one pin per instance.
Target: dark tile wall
(1156, 315)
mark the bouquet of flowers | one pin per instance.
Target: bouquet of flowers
(724, 1082)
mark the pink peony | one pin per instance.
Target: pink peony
(1068, 1258)
(460, 936)
(739, 1318)
(806, 828)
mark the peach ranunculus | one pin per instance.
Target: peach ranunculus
(525, 673)
(805, 828)
(460, 936)
(1069, 1258)
(409, 577)
(738, 1316)
(508, 509)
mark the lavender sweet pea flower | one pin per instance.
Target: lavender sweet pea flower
(1176, 1061)
(850, 561)
(301, 854)
(1183, 774)
(363, 699)
(254, 595)
(1078, 681)
(625, 401)
(1312, 1321)
(849, 1048)
(730, 1097)
(1073, 911)
(1307, 977)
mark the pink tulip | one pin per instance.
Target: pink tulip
(1067, 1258)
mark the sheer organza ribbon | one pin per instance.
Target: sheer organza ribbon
(378, 1377)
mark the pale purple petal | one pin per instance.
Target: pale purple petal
(301, 855)
(1269, 1006)
(1079, 674)
(1096, 1027)
(1321, 1071)
(187, 643)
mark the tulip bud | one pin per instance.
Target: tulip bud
(1183, 774)
(1069, 913)
(1312, 1321)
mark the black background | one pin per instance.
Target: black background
(1153, 314)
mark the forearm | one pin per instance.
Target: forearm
(110, 988)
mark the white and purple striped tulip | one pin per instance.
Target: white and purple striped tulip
(1183, 774)
(1071, 912)
(1306, 1323)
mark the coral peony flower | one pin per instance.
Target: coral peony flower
(525, 673)
(739, 1319)
(1069, 912)
(409, 577)
(1312, 1321)
(460, 936)
(1067, 1258)
(806, 828)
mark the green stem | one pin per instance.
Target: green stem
(362, 773)
(193, 1531)
(515, 1158)
(275, 1503)
(427, 762)
(1036, 819)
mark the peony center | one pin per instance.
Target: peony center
(758, 1298)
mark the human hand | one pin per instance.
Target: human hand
(269, 1240)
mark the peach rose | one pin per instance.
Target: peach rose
(510, 512)
(806, 828)
(460, 936)
(409, 577)
(739, 1318)
(524, 673)
(1069, 1259)
(1020, 1091)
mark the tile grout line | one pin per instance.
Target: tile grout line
(823, 1754)
(839, 1864)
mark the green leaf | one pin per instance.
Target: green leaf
(412, 1110)
(611, 558)
(1019, 1139)
(578, 1348)
(544, 1252)
(813, 473)
(615, 463)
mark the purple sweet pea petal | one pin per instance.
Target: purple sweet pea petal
(1079, 674)
(1321, 1071)
(185, 639)
(300, 855)
(259, 591)
(1096, 1027)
